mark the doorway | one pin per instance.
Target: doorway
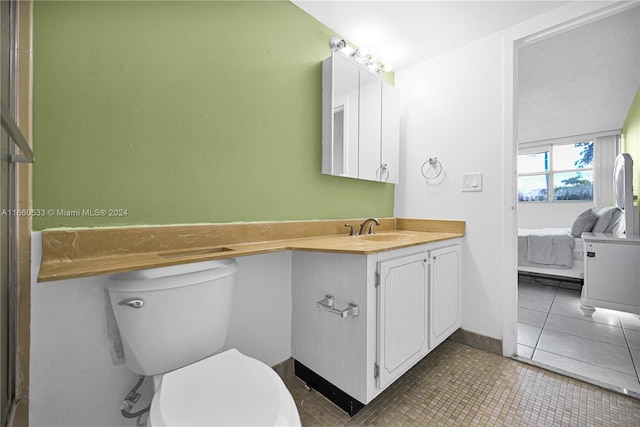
(552, 331)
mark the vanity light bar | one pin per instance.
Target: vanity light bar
(358, 55)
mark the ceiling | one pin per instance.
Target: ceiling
(404, 33)
(576, 82)
(580, 81)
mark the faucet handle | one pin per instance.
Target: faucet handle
(352, 232)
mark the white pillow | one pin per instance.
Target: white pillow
(584, 223)
(616, 219)
(606, 218)
(617, 226)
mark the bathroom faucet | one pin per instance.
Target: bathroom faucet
(363, 226)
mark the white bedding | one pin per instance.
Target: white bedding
(546, 247)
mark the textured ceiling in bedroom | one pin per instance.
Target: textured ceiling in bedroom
(580, 81)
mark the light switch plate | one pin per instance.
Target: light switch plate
(472, 181)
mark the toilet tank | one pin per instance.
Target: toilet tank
(170, 317)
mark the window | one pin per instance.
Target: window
(556, 172)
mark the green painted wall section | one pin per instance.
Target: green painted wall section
(183, 112)
(631, 139)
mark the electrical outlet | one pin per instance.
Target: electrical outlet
(472, 181)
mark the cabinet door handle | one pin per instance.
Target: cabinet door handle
(328, 303)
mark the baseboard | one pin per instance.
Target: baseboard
(341, 399)
(285, 369)
(472, 339)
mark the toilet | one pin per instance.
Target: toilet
(173, 321)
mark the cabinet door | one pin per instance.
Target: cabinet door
(445, 290)
(612, 275)
(369, 129)
(402, 315)
(390, 135)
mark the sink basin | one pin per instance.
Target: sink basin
(187, 253)
(391, 237)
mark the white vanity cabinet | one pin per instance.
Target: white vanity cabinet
(408, 301)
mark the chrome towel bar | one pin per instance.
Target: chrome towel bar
(328, 303)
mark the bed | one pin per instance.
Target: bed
(550, 252)
(559, 251)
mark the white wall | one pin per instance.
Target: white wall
(453, 111)
(556, 214)
(74, 380)
(261, 319)
(459, 106)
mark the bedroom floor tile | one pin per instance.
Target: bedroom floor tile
(528, 335)
(527, 352)
(606, 317)
(535, 303)
(536, 290)
(603, 348)
(594, 352)
(635, 355)
(633, 338)
(630, 321)
(531, 317)
(591, 330)
(587, 370)
(567, 296)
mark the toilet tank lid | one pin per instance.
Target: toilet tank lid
(177, 270)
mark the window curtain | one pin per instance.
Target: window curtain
(605, 150)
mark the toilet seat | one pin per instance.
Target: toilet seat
(227, 389)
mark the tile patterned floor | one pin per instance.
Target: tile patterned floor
(553, 331)
(457, 385)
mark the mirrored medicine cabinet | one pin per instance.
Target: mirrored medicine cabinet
(360, 122)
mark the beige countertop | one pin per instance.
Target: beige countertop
(79, 253)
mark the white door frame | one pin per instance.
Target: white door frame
(548, 24)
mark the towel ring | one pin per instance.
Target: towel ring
(435, 164)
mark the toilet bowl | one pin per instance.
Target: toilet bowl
(173, 322)
(228, 389)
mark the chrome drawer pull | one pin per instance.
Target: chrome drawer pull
(328, 303)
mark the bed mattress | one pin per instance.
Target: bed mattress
(548, 248)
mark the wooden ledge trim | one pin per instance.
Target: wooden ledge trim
(430, 225)
(78, 253)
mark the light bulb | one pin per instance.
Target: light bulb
(337, 44)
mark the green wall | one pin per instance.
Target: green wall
(631, 139)
(184, 112)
